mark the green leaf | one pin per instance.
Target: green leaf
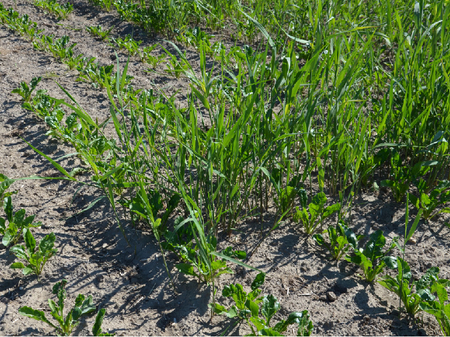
(239, 295)
(414, 226)
(330, 210)
(240, 254)
(97, 328)
(218, 264)
(391, 262)
(19, 251)
(52, 306)
(441, 293)
(258, 322)
(17, 265)
(319, 239)
(269, 308)
(46, 244)
(35, 314)
(233, 260)
(54, 163)
(269, 332)
(254, 308)
(227, 291)
(76, 313)
(2, 225)
(88, 306)
(258, 281)
(262, 30)
(79, 300)
(232, 312)
(217, 308)
(28, 270)
(30, 242)
(9, 236)
(186, 268)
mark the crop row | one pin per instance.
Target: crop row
(363, 109)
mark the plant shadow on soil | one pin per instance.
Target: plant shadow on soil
(144, 276)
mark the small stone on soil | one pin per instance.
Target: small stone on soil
(331, 296)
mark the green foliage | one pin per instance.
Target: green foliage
(316, 213)
(429, 202)
(52, 6)
(5, 183)
(439, 308)
(35, 255)
(194, 263)
(372, 259)
(43, 42)
(338, 93)
(258, 311)
(83, 306)
(106, 4)
(146, 56)
(341, 239)
(97, 328)
(73, 61)
(44, 106)
(13, 225)
(128, 43)
(138, 211)
(99, 32)
(194, 37)
(61, 49)
(402, 285)
(26, 91)
(26, 27)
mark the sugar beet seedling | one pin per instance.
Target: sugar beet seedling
(17, 222)
(83, 306)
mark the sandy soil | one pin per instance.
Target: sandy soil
(130, 280)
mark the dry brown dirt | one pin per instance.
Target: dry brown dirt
(130, 280)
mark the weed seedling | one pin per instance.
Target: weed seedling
(35, 256)
(131, 45)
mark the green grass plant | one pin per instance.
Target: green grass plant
(332, 97)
